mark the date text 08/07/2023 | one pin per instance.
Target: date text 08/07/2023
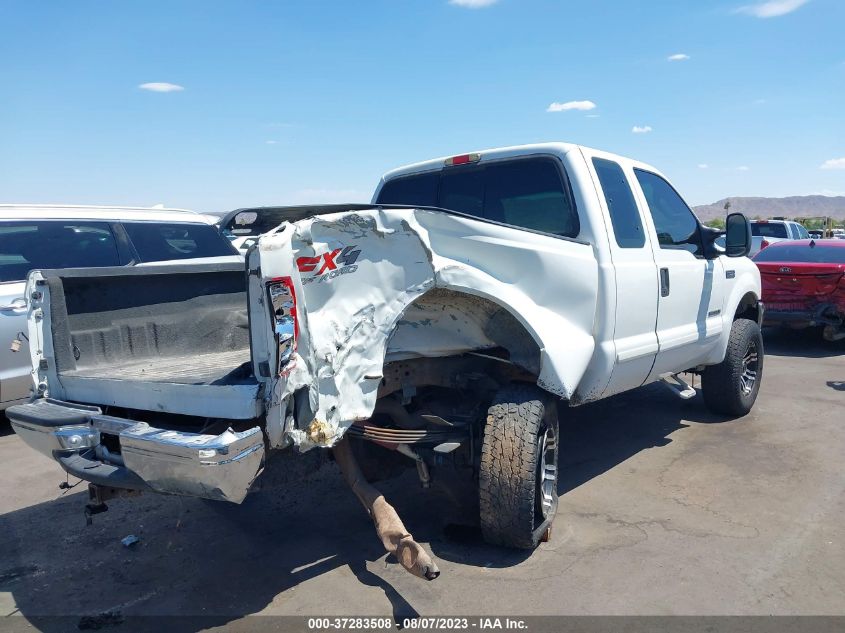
(428, 624)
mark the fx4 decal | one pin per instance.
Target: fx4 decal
(329, 265)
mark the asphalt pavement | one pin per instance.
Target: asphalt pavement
(664, 509)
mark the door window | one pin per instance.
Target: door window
(30, 245)
(624, 215)
(157, 242)
(676, 225)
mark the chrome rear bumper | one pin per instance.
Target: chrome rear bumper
(210, 466)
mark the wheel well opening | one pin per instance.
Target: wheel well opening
(445, 322)
(748, 308)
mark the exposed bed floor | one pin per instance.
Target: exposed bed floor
(213, 368)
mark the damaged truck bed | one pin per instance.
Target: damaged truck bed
(447, 323)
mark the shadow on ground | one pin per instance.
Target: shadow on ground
(223, 562)
(806, 343)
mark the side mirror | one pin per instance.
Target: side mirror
(737, 235)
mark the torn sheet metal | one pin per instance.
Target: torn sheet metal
(381, 284)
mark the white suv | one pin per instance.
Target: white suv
(65, 236)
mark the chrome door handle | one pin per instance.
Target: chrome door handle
(17, 305)
(664, 282)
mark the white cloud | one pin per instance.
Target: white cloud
(271, 142)
(833, 163)
(641, 129)
(161, 86)
(593, 116)
(772, 8)
(678, 57)
(473, 4)
(743, 168)
(703, 166)
(570, 105)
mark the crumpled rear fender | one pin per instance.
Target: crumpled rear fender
(350, 308)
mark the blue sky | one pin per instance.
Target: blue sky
(311, 101)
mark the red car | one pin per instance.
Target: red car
(804, 284)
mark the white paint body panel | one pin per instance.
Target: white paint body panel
(548, 284)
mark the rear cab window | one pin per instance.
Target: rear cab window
(158, 242)
(530, 193)
(769, 229)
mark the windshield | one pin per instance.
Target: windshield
(768, 230)
(155, 242)
(28, 245)
(802, 252)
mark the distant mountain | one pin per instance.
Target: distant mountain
(791, 207)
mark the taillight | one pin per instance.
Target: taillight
(764, 244)
(285, 322)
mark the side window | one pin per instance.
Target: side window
(25, 246)
(676, 225)
(162, 242)
(411, 190)
(802, 232)
(624, 215)
(529, 193)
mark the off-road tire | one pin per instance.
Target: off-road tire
(722, 384)
(509, 499)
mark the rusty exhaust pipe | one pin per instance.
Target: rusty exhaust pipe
(389, 527)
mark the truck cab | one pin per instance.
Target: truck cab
(665, 289)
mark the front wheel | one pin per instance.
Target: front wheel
(519, 465)
(731, 387)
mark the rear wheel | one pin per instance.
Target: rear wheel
(519, 466)
(731, 387)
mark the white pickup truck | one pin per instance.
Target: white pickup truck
(448, 320)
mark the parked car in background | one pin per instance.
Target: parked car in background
(244, 226)
(64, 236)
(803, 284)
(766, 232)
(815, 234)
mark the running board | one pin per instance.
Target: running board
(678, 385)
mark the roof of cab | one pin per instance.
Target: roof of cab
(508, 152)
(106, 213)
